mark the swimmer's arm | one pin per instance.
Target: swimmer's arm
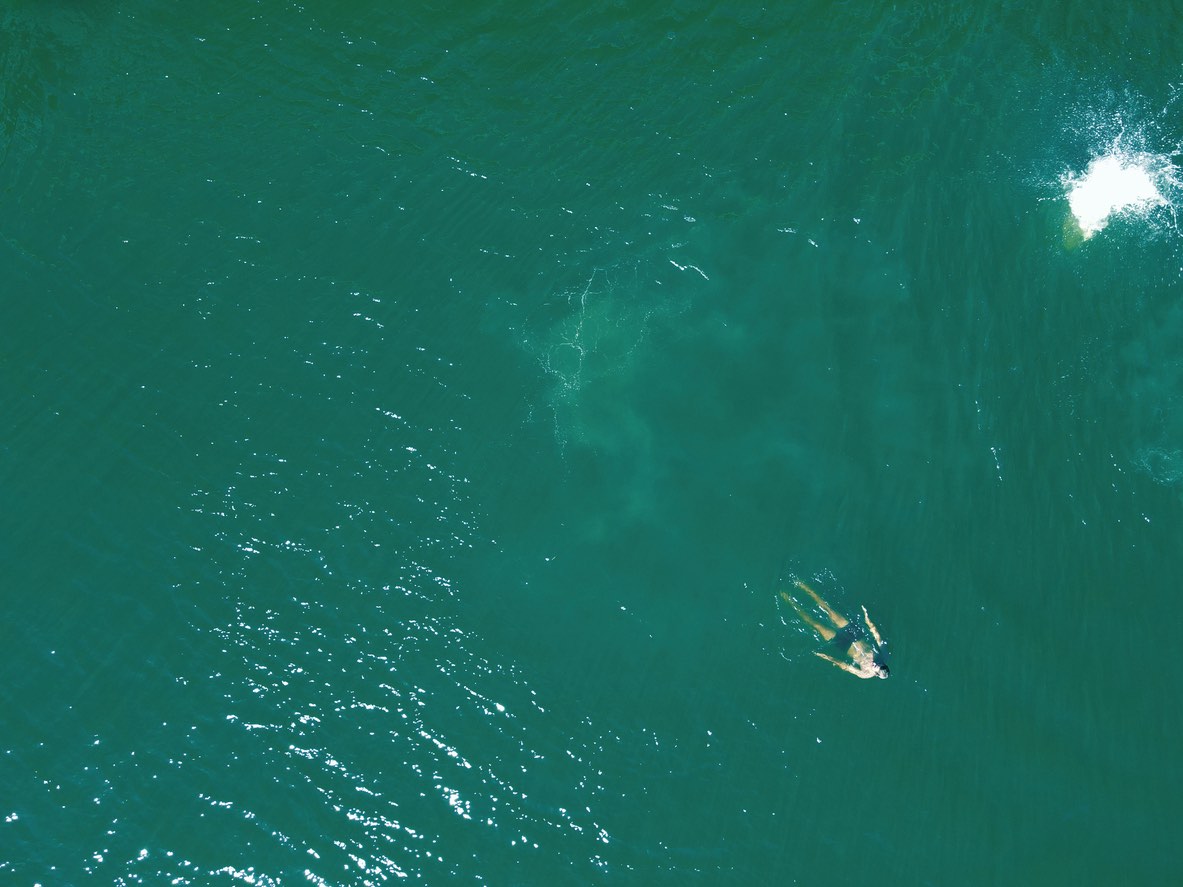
(874, 630)
(845, 666)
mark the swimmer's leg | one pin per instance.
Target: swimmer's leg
(826, 633)
(837, 618)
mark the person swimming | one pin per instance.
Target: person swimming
(866, 654)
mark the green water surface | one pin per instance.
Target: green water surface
(411, 413)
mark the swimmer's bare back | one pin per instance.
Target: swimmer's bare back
(866, 660)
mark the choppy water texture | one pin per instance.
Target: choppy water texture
(411, 417)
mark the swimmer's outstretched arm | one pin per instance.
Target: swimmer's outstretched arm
(874, 630)
(826, 633)
(837, 618)
(845, 666)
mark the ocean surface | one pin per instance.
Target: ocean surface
(411, 414)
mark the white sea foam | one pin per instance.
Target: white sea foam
(1115, 183)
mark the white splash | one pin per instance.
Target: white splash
(1113, 183)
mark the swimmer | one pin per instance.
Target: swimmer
(867, 657)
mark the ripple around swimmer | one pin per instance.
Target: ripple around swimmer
(1115, 184)
(1123, 151)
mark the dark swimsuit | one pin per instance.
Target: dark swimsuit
(855, 631)
(847, 635)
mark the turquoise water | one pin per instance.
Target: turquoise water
(411, 417)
